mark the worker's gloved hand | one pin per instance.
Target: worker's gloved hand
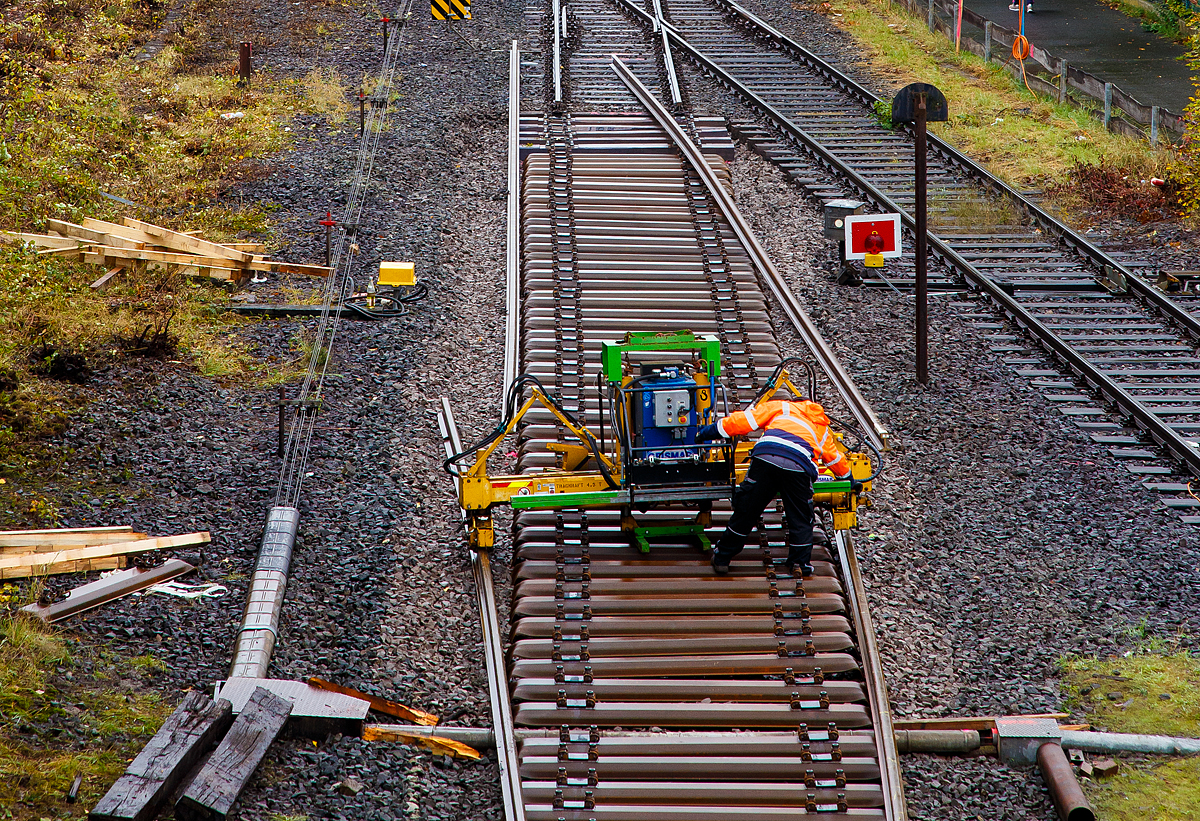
(707, 433)
(856, 485)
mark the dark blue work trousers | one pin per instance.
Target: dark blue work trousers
(764, 481)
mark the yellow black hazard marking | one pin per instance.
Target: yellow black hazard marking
(451, 9)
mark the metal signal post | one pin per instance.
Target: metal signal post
(918, 104)
(921, 250)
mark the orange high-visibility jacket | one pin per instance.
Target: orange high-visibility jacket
(795, 431)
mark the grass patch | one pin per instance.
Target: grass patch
(1025, 140)
(57, 721)
(1153, 689)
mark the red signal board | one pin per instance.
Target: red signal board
(861, 226)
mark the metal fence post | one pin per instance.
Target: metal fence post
(1153, 125)
(987, 41)
(1062, 80)
(1108, 105)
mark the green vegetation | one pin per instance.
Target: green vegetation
(1153, 689)
(85, 118)
(65, 712)
(1168, 19)
(1025, 140)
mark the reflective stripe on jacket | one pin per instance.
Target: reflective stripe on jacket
(796, 431)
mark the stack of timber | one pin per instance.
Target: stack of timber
(25, 553)
(135, 245)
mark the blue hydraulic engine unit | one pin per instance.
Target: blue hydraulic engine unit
(662, 389)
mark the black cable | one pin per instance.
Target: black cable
(359, 304)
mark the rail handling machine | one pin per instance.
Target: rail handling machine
(656, 391)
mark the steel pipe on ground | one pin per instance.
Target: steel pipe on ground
(1064, 788)
(1129, 743)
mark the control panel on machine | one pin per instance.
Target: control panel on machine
(669, 415)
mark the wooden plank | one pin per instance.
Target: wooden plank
(41, 240)
(59, 568)
(187, 734)
(256, 264)
(382, 705)
(1085, 82)
(110, 588)
(91, 234)
(1137, 112)
(213, 791)
(249, 247)
(82, 537)
(106, 278)
(73, 554)
(8, 534)
(189, 244)
(116, 229)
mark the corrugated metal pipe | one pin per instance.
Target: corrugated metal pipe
(1064, 788)
(949, 742)
(260, 621)
(1129, 743)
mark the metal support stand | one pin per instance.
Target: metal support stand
(244, 67)
(922, 250)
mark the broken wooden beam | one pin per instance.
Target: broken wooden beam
(150, 779)
(102, 591)
(215, 789)
(382, 705)
(436, 744)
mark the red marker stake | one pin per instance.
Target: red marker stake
(328, 222)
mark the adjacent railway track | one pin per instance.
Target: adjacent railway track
(1122, 340)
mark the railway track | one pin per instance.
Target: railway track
(642, 685)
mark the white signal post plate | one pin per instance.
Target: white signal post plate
(860, 226)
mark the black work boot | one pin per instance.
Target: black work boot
(798, 559)
(720, 564)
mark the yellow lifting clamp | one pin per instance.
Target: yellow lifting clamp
(479, 491)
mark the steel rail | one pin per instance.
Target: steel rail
(668, 60)
(556, 53)
(872, 427)
(1126, 403)
(512, 319)
(881, 714)
(1159, 300)
(502, 718)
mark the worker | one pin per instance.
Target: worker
(783, 463)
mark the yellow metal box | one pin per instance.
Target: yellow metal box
(397, 273)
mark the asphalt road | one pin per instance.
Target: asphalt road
(1105, 43)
